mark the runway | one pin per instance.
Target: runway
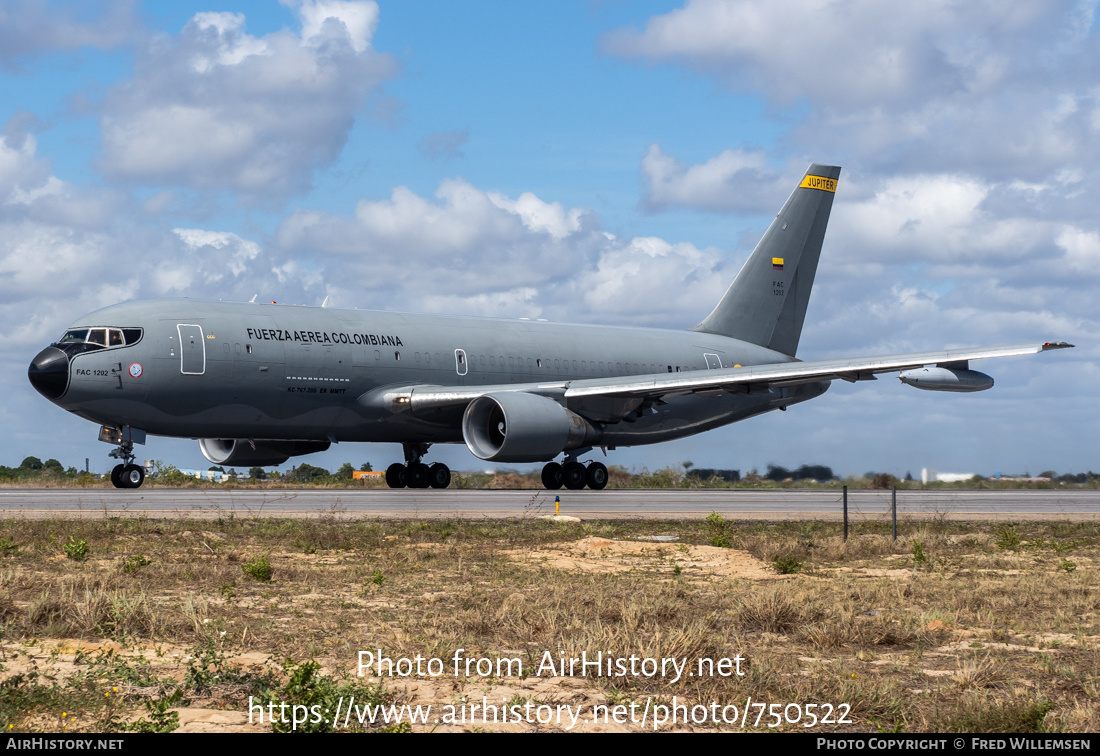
(610, 504)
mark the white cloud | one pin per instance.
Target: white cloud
(735, 180)
(475, 252)
(34, 27)
(852, 53)
(216, 108)
(325, 19)
(1007, 91)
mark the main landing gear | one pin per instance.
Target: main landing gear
(574, 475)
(416, 474)
(127, 474)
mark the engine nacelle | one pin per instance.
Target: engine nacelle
(520, 427)
(946, 379)
(238, 451)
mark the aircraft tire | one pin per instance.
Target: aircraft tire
(551, 476)
(439, 475)
(396, 475)
(418, 475)
(573, 476)
(596, 476)
(132, 476)
(116, 476)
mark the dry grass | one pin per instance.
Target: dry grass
(982, 634)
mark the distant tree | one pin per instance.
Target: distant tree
(54, 466)
(31, 463)
(365, 467)
(232, 473)
(1048, 474)
(305, 473)
(688, 465)
(777, 473)
(814, 472)
(883, 480)
(705, 473)
(214, 468)
(908, 476)
(257, 473)
(345, 472)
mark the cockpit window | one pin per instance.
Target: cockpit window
(75, 336)
(102, 337)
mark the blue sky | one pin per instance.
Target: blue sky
(604, 162)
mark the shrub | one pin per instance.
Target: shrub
(76, 550)
(258, 569)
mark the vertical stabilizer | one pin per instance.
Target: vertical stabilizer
(766, 303)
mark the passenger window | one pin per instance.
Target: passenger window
(397, 356)
(377, 355)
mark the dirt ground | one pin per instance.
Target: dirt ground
(955, 627)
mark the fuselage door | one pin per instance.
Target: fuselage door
(460, 362)
(714, 362)
(192, 349)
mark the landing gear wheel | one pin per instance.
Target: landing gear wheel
(116, 476)
(439, 475)
(396, 475)
(417, 476)
(551, 476)
(573, 476)
(132, 476)
(596, 476)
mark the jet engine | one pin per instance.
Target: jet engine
(238, 451)
(941, 378)
(520, 427)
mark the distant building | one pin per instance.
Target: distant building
(214, 476)
(931, 476)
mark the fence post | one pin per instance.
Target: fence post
(894, 510)
(845, 513)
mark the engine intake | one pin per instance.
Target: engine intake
(238, 451)
(520, 427)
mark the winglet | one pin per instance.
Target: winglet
(1056, 345)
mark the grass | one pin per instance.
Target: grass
(987, 632)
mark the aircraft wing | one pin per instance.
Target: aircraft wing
(616, 396)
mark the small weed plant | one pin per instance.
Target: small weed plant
(787, 565)
(1007, 538)
(76, 550)
(134, 563)
(259, 569)
(920, 557)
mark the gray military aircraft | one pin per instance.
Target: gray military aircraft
(258, 384)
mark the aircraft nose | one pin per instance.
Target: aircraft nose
(49, 372)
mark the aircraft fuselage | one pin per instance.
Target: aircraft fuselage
(229, 370)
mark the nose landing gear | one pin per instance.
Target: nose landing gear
(127, 474)
(416, 474)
